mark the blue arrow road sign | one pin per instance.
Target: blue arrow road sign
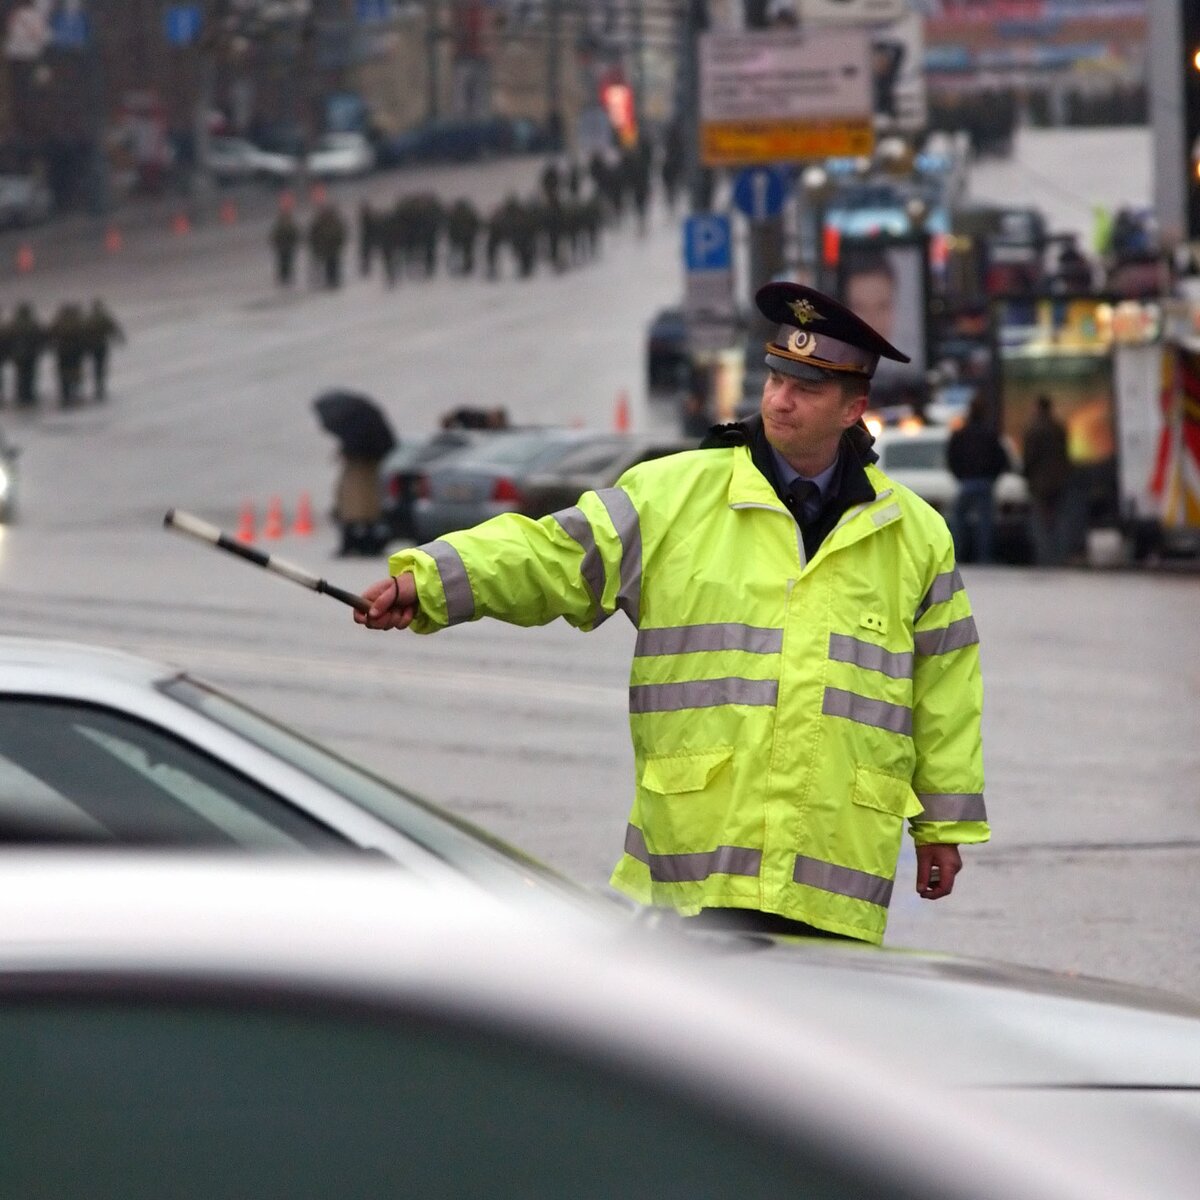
(707, 243)
(759, 192)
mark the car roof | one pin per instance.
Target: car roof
(304, 930)
(48, 660)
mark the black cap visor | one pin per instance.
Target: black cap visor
(803, 370)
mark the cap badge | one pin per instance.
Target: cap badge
(801, 342)
(804, 312)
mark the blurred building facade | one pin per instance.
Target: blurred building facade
(133, 74)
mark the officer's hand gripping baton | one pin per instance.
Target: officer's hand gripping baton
(194, 527)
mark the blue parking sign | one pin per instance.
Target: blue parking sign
(708, 242)
(181, 24)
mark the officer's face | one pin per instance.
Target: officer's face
(804, 419)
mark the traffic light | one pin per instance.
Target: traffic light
(1191, 113)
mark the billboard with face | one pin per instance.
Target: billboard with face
(885, 283)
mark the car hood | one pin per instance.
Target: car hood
(989, 1025)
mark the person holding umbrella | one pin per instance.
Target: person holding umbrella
(365, 439)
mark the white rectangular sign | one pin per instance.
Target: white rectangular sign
(850, 12)
(778, 76)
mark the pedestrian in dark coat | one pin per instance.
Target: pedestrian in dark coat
(368, 237)
(462, 230)
(26, 339)
(1048, 471)
(68, 337)
(285, 238)
(100, 332)
(327, 241)
(976, 458)
(358, 507)
(5, 355)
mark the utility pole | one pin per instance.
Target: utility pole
(639, 62)
(99, 194)
(433, 43)
(554, 73)
(203, 188)
(698, 182)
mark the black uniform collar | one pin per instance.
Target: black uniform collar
(849, 487)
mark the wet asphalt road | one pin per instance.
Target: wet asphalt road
(1092, 677)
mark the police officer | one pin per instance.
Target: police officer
(806, 676)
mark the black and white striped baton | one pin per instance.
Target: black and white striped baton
(194, 527)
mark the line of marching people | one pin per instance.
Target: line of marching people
(77, 337)
(560, 226)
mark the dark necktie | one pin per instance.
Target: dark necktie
(805, 500)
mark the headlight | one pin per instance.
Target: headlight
(3, 483)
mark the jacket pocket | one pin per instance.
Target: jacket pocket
(683, 799)
(881, 803)
(885, 793)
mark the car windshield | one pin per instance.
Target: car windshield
(464, 846)
(518, 450)
(915, 454)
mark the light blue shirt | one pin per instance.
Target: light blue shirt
(788, 473)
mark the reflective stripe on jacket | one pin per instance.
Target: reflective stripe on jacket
(787, 716)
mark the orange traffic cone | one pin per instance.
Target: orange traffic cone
(304, 518)
(25, 258)
(228, 213)
(621, 415)
(181, 223)
(113, 241)
(273, 525)
(245, 529)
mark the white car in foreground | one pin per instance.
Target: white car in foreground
(101, 748)
(225, 1029)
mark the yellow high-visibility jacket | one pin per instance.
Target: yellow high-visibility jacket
(788, 716)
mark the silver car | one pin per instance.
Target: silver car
(485, 481)
(107, 749)
(224, 1029)
(8, 479)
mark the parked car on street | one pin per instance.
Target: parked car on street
(107, 749)
(461, 140)
(400, 473)
(8, 479)
(341, 156)
(594, 464)
(485, 481)
(236, 160)
(24, 201)
(667, 358)
(916, 457)
(320, 1029)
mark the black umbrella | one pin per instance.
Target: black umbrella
(357, 422)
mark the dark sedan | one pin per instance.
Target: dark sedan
(400, 474)
(667, 358)
(596, 464)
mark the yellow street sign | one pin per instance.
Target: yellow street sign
(745, 143)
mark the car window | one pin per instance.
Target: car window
(586, 459)
(917, 454)
(76, 772)
(464, 846)
(514, 450)
(109, 1097)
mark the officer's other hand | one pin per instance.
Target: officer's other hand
(393, 603)
(936, 868)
